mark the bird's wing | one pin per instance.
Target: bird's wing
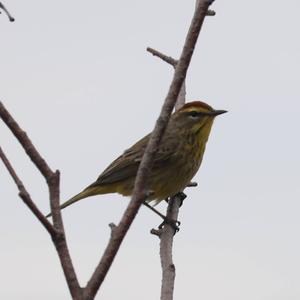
(126, 165)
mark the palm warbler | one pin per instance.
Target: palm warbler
(176, 162)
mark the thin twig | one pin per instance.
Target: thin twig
(26, 197)
(11, 19)
(155, 232)
(172, 61)
(112, 227)
(168, 59)
(144, 170)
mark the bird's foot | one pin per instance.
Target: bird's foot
(180, 195)
(173, 223)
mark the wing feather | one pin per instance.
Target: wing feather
(126, 165)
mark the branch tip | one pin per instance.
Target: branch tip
(168, 59)
(156, 232)
(192, 184)
(210, 12)
(113, 228)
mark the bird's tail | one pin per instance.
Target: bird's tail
(89, 191)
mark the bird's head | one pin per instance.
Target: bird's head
(195, 116)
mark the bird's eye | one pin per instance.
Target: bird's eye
(193, 114)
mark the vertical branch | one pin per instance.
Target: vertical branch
(166, 249)
(166, 234)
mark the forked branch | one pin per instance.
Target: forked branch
(56, 230)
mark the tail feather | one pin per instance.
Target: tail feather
(90, 191)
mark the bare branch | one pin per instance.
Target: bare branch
(60, 239)
(166, 247)
(11, 19)
(209, 12)
(166, 234)
(112, 227)
(25, 142)
(26, 197)
(144, 170)
(168, 59)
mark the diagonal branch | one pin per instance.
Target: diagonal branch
(168, 59)
(26, 197)
(25, 142)
(140, 192)
(172, 61)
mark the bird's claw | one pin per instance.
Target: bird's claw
(173, 223)
(180, 195)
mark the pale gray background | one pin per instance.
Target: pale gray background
(78, 79)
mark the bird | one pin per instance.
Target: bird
(177, 159)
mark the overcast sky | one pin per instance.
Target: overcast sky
(79, 81)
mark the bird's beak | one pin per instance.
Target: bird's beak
(218, 112)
